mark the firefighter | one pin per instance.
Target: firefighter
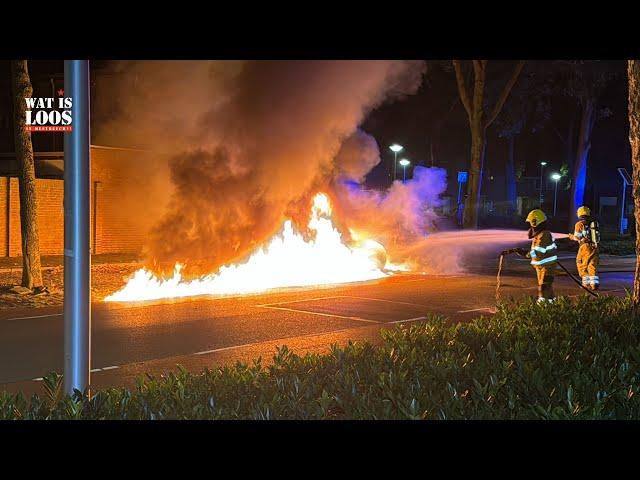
(586, 233)
(542, 254)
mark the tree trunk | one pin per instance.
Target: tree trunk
(478, 124)
(511, 176)
(431, 153)
(580, 163)
(472, 204)
(634, 140)
(31, 271)
(571, 139)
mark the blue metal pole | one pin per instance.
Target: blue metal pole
(77, 260)
(624, 194)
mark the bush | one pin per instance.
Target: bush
(570, 360)
(615, 244)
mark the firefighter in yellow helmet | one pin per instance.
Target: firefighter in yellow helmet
(543, 253)
(586, 233)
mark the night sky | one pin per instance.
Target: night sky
(411, 122)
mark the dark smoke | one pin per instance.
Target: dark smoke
(249, 143)
(252, 144)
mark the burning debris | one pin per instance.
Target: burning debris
(287, 260)
(268, 136)
(248, 144)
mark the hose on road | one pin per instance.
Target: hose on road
(578, 282)
(499, 275)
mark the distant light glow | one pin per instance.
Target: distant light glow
(396, 148)
(556, 176)
(404, 162)
(543, 163)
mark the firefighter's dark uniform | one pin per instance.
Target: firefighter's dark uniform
(588, 257)
(544, 260)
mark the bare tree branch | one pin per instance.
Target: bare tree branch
(462, 89)
(505, 93)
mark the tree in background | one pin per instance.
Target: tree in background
(583, 82)
(525, 102)
(528, 109)
(31, 270)
(480, 118)
(633, 72)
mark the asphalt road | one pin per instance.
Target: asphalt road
(195, 331)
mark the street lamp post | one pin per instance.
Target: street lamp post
(404, 163)
(542, 164)
(395, 148)
(77, 260)
(555, 177)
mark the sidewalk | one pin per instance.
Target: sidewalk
(108, 273)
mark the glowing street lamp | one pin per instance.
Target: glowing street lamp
(555, 177)
(395, 148)
(404, 163)
(542, 165)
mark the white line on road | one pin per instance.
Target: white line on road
(381, 300)
(34, 316)
(332, 332)
(267, 305)
(359, 319)
(297, 301)
(409, 320)
(103, 369)
(489, 309)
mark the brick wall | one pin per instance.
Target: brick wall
(125, 188)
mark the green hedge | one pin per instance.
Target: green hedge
(572, 360)
(615, 244)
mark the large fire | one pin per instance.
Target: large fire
(287, 260)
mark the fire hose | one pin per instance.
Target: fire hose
(517, 251)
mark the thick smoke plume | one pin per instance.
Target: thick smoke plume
(396, 218)
(250, 142)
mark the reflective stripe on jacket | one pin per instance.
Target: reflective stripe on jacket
(543, 249)
(580, 232)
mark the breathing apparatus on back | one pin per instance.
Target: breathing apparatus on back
(591, 226)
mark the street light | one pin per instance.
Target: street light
(555, 177)
(405, 163)
(542, 164)
(77, 259)
(395, 148)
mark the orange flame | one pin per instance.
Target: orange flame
(288, 260)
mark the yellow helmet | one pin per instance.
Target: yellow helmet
(583, 212)
(536, 217)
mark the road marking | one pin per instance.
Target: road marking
(359, 319)
(103, 369)
(34, 316)
(434, 277)
(268, 305)
(490, 309)
(381, 300)
(297, 301)
(233, 347)
(409, 320)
